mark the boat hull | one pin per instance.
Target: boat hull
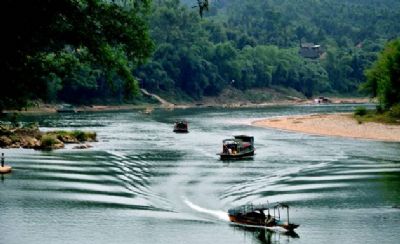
(5, 169)
(181, 127)
(226, 156)
(261, 222)
(246, 221)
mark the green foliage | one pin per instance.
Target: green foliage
(384, 76)
(48, 141)
(81, 51)
(74, 136)
(395, 111)
(254, 44)
(69, 73)
(84, 136)
(360, 111)
(380, 117)
(70, 46)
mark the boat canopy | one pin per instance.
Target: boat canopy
(248, 208)
(231, 141)
(240, 139)
(181, 122)
(245, 138)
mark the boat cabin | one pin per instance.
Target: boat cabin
(181, 126)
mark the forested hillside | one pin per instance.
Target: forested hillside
(255, 43)
(84, 51)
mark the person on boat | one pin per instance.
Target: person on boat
(269, 220)
(229, 151)
(225, 149)
(2, 159)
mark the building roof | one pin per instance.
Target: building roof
(309, 45)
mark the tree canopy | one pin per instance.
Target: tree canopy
(255, 44)
(71, 44)
(384, 75)
(91, 50)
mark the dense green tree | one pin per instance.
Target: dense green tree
(44, 39)
(384, 75)
(57, 49)
(248, 44)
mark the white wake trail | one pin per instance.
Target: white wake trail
(215, 213)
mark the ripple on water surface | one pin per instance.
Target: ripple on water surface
(140, 177)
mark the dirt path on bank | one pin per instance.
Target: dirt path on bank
(163, 102)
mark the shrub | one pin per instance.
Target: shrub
(32, 126)
(379, 109)
(91, 136)
(360, 111)
(395, 111)
(48, 141)
(73, 136)
(84, 136)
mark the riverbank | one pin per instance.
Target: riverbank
(342, 125)
(228, 98)
(52, 108)
(42, 108)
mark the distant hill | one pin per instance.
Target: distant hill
(256, 44)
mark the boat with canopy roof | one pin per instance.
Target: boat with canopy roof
(264, 215)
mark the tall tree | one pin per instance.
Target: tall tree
(112, 33)
(384, 75)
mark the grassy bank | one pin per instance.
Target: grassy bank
(392, 116)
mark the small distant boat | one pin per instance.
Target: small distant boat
(322, 100)
(181, 127)
(241, 146)
(5, 169)
(255, 215)
(66, 108)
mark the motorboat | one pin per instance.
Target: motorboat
(181, 127)
(264, 215)
(238, 147)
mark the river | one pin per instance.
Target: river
(142, 183)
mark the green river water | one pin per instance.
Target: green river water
(142, 183)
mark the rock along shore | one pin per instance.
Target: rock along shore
(30, 136)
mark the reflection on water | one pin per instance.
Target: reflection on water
(266, 236)
(145, 184)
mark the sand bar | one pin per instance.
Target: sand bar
(342, 125)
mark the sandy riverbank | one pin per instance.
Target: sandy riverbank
(342, 125)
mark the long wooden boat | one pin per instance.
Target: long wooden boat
(250, 214)
(241, 146)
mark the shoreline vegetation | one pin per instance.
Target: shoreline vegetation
(338, 124)
(41, 108)
(29, 136)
